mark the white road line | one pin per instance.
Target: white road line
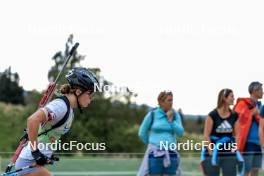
(111, 173)
(95, 173)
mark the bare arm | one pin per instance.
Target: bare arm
(33, 123)
(236, 131)
(261, 132)
(207, 131)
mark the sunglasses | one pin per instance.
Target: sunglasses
(168, 92)
(225, 92)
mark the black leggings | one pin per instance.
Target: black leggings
(227, 164)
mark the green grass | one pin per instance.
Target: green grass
(189, 165)
(96, 164)
(111, 166)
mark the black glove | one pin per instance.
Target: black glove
(40, 158)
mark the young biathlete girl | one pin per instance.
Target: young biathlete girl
(78, 93)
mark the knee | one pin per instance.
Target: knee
(43, 172)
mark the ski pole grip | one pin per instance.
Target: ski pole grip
(74, 48)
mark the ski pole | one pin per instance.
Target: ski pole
(51, 87)
(50, 161)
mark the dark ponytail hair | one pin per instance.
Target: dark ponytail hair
(67, 89)
(224, 93)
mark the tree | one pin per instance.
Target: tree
(10, 91)
(59, 59)
(108, 119)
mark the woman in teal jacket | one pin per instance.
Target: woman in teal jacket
(159, 130)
